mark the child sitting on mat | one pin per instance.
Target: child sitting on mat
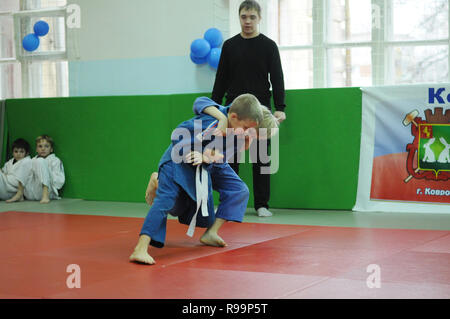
(47, 172)
(15, 172)
(180, 191)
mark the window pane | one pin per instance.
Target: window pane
(419, 64)
(48, 79)
(10, 86)
(349, 20)
(420, 20)
(42, 4)
(53, 41)
(297, 68)
(295, 22)
(349, 67)
(6, 37)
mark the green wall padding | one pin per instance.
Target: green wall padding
(319, 150)
(109, 145)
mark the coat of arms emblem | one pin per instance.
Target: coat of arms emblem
(429, 153)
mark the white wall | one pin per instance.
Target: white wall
(118, 38)
(117, 29)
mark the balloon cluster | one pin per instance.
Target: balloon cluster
(31, 41)
(207, 49)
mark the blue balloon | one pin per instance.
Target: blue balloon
(214, 57)
(198, 60)
(41, 28)
(214, 37)
(200, 48)
(30, 42)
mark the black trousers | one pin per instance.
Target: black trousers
(261, 182)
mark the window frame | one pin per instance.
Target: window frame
(380, 43)
(28, 77)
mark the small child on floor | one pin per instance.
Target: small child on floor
(47, 176)
(16, 172)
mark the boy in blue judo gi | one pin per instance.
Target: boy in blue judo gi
(192, 166)
(266, 130)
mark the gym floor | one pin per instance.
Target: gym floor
(293, 254)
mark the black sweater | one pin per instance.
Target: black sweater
(245, 66)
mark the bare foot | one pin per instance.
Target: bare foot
(18, 197)
(45, 195)
(15, 198)
(212, 239)
(150, 193)
(142, 256)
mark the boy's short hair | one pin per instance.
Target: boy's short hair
(45, 137)
(269, 122)
(247, 107)
(21, 143)
(249, 5)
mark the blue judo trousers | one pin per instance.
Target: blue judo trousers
(176, 193)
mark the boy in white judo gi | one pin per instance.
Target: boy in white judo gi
(178, 180)
(16, 172)
(47, 176)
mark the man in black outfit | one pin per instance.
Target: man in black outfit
(246, 62)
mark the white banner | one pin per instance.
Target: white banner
(405, 144)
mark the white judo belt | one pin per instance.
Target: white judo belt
(201, 192)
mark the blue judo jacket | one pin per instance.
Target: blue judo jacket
(184, 173)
